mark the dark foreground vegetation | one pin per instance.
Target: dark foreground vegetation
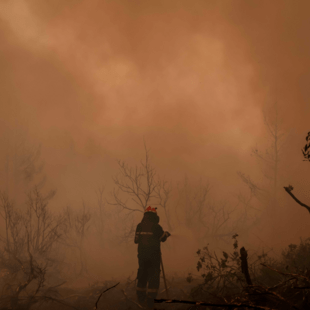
(227, 281)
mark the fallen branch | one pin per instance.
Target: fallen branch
(289, 191)
(301, 287)
(96, 305)
(293, 275)
(200, 303)
(260, 290)
(282, 283)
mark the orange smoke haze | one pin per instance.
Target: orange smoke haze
(89, 80)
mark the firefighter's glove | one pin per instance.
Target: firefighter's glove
(167, 234)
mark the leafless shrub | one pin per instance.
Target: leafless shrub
(27, 245)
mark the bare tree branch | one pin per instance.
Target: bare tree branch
(163, 193)
(287, 274)
(289, 191)
(139, 183)
(96, 305)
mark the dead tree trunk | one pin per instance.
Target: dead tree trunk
(244, 265)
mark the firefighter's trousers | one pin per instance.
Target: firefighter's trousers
(148, 278)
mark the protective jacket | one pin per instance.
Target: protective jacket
(149, 234)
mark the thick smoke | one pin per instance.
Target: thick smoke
(89, 80)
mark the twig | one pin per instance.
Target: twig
(132, 300)
(55, 300)
(282, 283)
(96, 305)
(57, 285)
(164, 290)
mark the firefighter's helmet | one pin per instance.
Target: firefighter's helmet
(150, 209)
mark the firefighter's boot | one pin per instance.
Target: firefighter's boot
(141, 294)
(151, 295)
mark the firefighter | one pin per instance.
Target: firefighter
(148, 236)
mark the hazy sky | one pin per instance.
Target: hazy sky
(90, 79)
